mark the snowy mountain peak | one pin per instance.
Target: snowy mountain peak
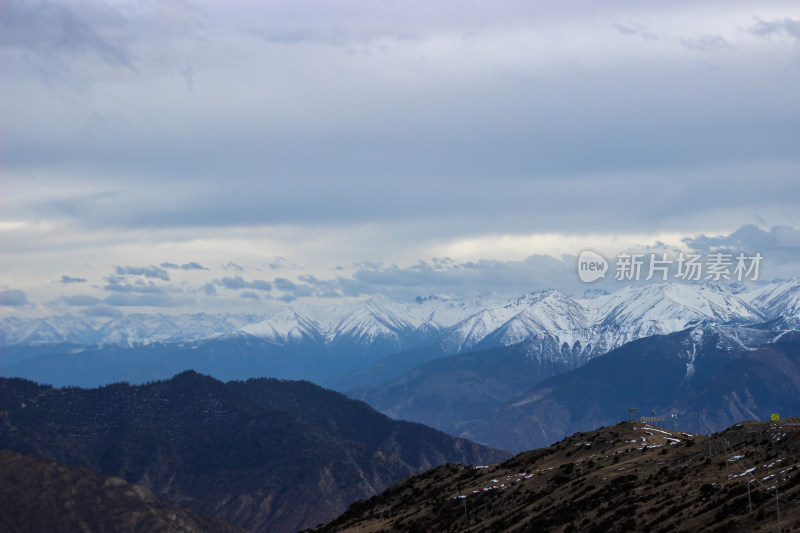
(62, 328)
(517, 320)
(283, 327)
(674, 306)
(778, 299)
(376, 317)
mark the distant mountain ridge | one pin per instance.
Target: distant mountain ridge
(380, 339)
(378, 318)
(129, 330)
(722, 374)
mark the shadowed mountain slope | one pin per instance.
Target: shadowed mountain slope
(41, 495)
(265, 454)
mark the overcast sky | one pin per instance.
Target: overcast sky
(230, 156)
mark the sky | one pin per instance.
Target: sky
(237, 156)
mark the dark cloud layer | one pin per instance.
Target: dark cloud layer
(238, 282)
(512, 142)
(209, 289)
(122, 285)
(13, 298)
(70, 279)
(103, 310)
(288, 286)
(160, 299)
(57, 29)
(80, 300)
(186, 266)
(148, 272)
(779, 244)
(786, 25)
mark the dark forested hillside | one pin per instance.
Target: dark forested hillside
(41, 495)
(266, 455)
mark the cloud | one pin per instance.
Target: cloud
(121, 299)
(13, 298)
(237, 283)
(786, 25)
(283, 284)
(494, 155)
(102, 311)
(635, 29)
(535, 271)
(779, 244)
(281, 263)
(209, 289)
(329, 294)
(147, 272)
(186, 266)
(56, 28)
(290, 287)
(117, 284)
(233, 266)
(70, 279)
(122, 285)
(80, 300)
(705, 43)
(392, 133)
(315, 287)
(442, 276)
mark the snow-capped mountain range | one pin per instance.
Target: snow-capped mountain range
(127, 330)
(594, 322)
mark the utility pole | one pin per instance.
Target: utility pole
(466, 515)
(727, 472)
(749, 501)
(698, 423)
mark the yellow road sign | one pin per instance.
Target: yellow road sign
(775, 417)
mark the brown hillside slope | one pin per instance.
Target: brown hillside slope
(628, 477)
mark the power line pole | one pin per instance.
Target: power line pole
(727, 472)
(749, 501)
